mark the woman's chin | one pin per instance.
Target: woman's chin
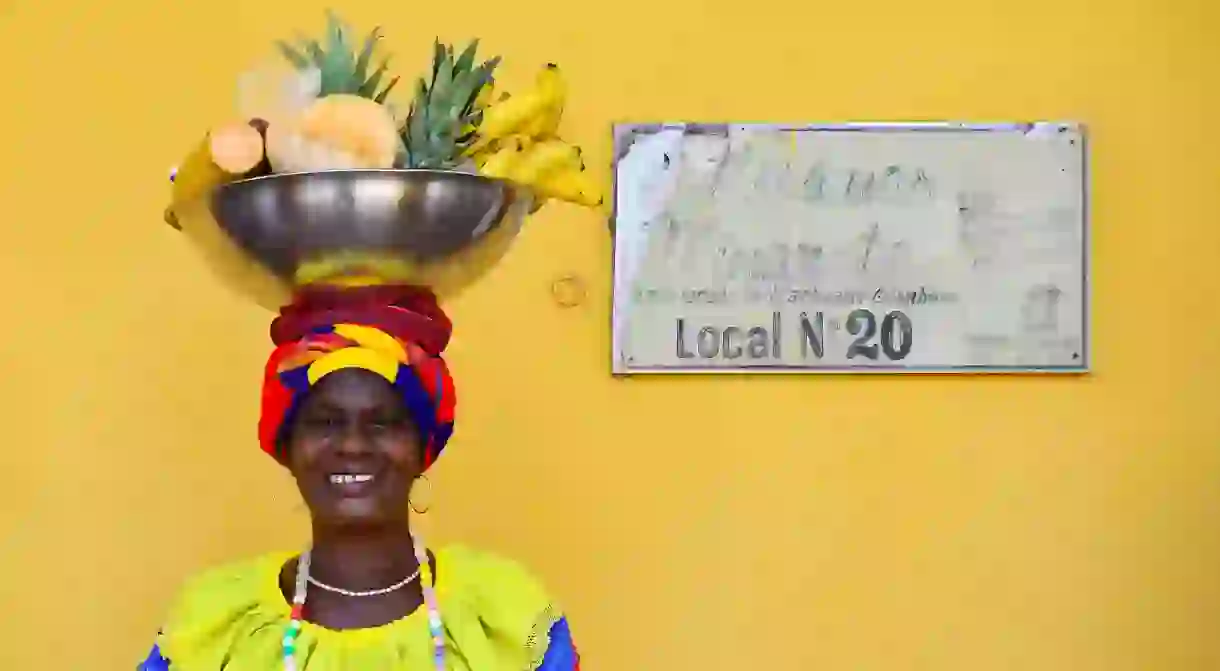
(357, 512)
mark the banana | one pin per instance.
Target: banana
(481, 101)
(507, 117)
(544, 158)
(573, 186)
(522, 111)
(501, 162)
(553, 85)
(522, 143)
(486, 95)
(199, 173)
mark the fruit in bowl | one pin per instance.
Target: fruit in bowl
(348, 124)
(339, 131)
(328, 107)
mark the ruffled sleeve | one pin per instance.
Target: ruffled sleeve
(221, 620)
(500, 616)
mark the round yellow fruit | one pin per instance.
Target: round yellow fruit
(335, 132)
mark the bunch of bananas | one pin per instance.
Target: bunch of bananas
(517, 139)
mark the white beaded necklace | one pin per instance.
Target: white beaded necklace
(371, 592)
(427, 586)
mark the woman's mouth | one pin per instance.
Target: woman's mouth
(352, 484)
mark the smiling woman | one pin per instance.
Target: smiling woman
(357, 404)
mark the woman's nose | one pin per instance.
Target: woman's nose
(354, 439)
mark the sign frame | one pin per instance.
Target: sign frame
(625, 133)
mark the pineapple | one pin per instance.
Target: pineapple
(445, 112)
(341, 69)
(349, 125)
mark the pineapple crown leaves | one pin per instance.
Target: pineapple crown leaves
(435, 133)
(342, 69)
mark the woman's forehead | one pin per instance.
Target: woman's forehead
(353, 388)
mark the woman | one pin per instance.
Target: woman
(357, 404)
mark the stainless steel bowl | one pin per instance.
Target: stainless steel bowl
(440, 229)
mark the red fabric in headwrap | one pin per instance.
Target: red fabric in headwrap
(305, 332)
(408, 313)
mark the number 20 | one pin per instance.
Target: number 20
(863, 324)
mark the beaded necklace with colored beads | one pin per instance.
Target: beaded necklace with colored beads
(426, 586)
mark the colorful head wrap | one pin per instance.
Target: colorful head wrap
(395, 332)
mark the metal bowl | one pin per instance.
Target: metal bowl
(266, 236)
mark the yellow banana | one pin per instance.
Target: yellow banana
(544, 158)
(522, 143)
(514, 113)
(485, 97)
(481, 101)
(198, 174)
(507, 117)
(555, 88)
(573, 186)
(501, 162)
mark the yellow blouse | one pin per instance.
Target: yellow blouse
(495, 614)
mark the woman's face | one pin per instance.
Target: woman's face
(354, 451)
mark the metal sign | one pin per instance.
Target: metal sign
(915, 247)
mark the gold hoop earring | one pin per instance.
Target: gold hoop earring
(427, 499)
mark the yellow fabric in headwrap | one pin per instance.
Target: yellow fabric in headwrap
(497, 617)
(373, 338)
(378, 352)
(354, 357)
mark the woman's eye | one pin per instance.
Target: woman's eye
(384, 424)
(330, 426)
(323, 423)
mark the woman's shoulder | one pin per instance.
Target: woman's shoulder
(497, 587)
(509, 603)
(238, 596)
(241, 580)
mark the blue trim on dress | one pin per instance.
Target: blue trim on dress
(155, 661)
(561, 653)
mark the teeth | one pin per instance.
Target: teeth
(349, 478)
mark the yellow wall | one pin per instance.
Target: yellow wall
(798, 523)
